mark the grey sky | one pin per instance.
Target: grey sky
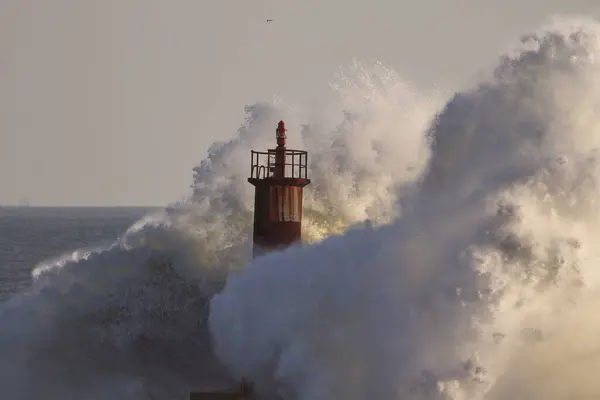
(112, 102)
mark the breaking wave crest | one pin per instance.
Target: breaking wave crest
(495, 250)
(452, 254)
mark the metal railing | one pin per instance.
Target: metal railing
(263, 164)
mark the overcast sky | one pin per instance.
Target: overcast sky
(112, 102)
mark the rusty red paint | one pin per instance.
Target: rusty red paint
(285, 204)
(278, 199)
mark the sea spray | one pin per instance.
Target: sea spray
(129, 321)
(474, 278)
(499, 241)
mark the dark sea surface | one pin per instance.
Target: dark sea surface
(30, 235)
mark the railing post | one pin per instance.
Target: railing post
(305, 165)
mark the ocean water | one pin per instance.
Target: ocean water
(450, 253)
(31, 235)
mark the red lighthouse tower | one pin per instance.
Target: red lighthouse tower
(279, 176)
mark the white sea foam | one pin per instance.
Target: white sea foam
(469, 270)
